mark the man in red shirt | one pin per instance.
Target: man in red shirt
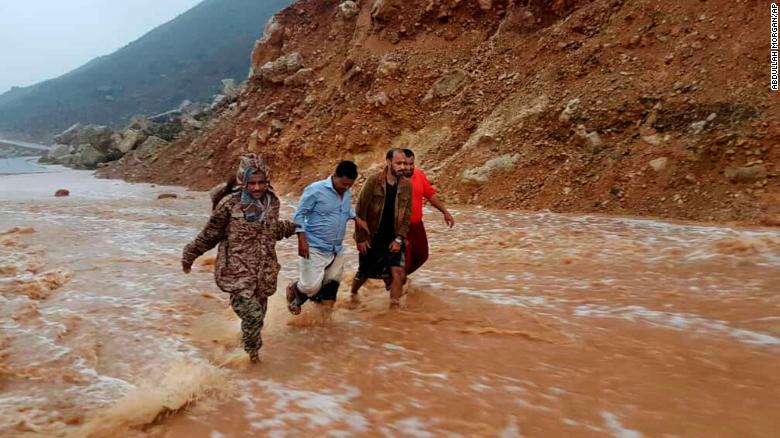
(417, 239)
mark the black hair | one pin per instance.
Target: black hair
(409, 153)
(392, 152)
(348, 169)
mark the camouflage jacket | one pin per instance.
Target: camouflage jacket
(246, 257)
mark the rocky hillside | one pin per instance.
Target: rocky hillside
(183, 59)
(624, 107)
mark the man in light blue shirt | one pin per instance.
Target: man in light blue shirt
(324, 210)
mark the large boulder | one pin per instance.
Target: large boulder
(383, 11)
(190, 123)
(300, 78)
(69, 135)
(130, 139)
(219, 101)
(57, 152)
(150, 147)
(69, 160)
(139, 122)
(96, 135)
(280, 69)
(268, 47)
(91, 156)
(229, 88)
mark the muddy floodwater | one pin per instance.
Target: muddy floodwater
(520, 325)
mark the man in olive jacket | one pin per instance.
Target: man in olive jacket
(385, 203)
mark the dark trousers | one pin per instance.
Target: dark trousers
(416, 247)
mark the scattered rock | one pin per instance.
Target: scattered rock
(268, 47)
(277, 125)
(252, 144)
(377, 99)
(280, 69)
(520, 20)
(481, 174)
(383, 11)
(387, 68)
(62, 193)
(698, 127)
(746, 173)
(447, 85)
(219, 101)
(301, 78)
(570, 110)
(653, 139)
(139, 122)
(229, 88)
(485, 5)
(150, 147)
(659, 164)
(591, 140)
(190, 122)
(348, 10)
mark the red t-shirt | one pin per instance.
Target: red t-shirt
(421, 188)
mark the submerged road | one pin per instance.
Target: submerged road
(24, 144)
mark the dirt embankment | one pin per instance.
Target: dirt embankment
(642, 107)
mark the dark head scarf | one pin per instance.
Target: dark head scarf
(254, 209)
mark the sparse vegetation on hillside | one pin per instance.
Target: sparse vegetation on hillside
(183, 59)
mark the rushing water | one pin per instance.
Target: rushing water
(521, 324)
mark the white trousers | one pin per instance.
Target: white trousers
(319, 268)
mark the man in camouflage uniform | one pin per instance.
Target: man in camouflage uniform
(246, 226)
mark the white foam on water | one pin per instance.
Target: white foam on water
(616, 428)
(677, 321)
(394, 347)
(304, 408)
(512, 430)
(440, 376)
(408, 427)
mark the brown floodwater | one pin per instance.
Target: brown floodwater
(520, 325)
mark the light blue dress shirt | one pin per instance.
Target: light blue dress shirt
(324, 216)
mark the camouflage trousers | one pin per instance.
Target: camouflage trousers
(251, 309)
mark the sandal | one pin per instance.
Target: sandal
(292, 300)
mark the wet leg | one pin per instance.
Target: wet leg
(251, 309)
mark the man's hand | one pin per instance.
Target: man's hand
(361, 224)
(448, 219)
(186, 267)
(303, 246)
(363, 247)
(395, 246)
